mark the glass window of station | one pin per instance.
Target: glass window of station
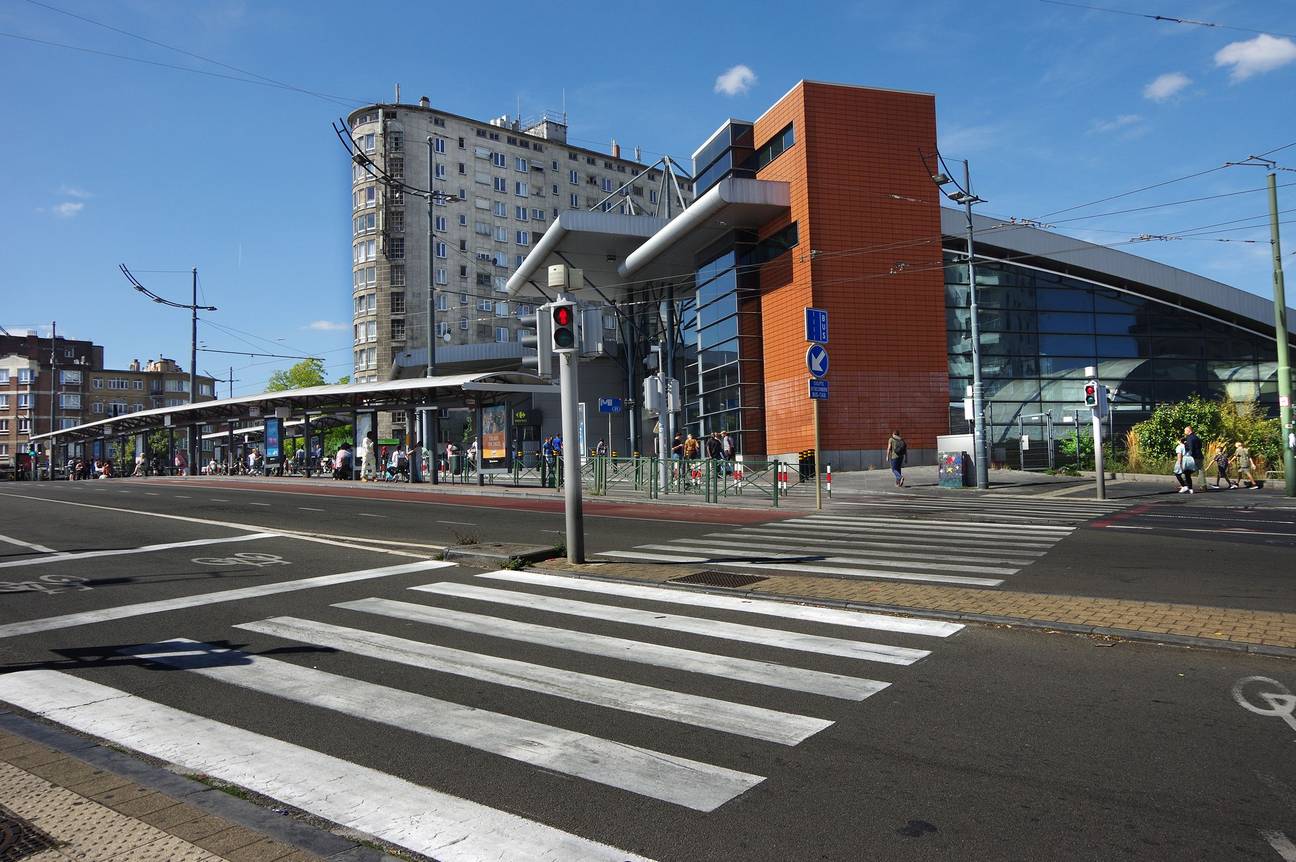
(1040, 329)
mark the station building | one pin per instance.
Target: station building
(827, 201)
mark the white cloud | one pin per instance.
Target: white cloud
(73, 192)
(1264, 53)
(736, 81)
(1125, 123)
(325, 326)
(961, 140)
(68, 209)
(1165, 86)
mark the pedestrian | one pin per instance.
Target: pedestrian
(1222, 466)
(600, 449)
(677, 447)
(727, 451)
(1194, 445)
(713, 448)
(342, 462)
(1242, 457)
(897, 452)
(368, 464)
(1185, 464)
(139, 466)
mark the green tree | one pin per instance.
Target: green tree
(308, 372)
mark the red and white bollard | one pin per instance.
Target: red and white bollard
(782, 477)
(738, 470)
(828, 480)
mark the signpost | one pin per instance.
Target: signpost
(610, 406)
(1096, 400)
(816, 332)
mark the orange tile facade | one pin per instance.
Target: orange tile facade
(876, 269)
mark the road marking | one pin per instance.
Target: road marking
(1030, 547)
(256, 504)
(20, 543)
(724, 553)
(984, 527)
(1278, 699)
(216, 500)
(472, 524)
(752, 721)
(181, 497)
(817, 546)
(1280, 842)
(802, 567)
(308, 509)
(693, 625)
(900, 533)
(45, 624)
(143, 549)
(420, 819)
(786, 610)
(152, 494)
(291, 534)
(361, 514)
(642, 652)
(678, 780)
(1235, 531)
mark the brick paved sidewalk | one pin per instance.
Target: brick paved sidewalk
(76, 810)
(1197, 625)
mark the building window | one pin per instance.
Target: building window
(501, 184)
(501, 284)
(652, 196)
(775, 148)
(70, 401)
(397, 276)
(463, 324)
(520, 165)
(138, 384)
(398, 303)
(70, 378)
(574, 200)
(368, 143)
(501, 233)
(501, 209)
(605, 184)
(520, 213)
(439, 223)
(574, 178)
(398, 330)
(4, 402)
(4, 426)
(396, 247)
(485, 305)
(26, 376)
(440, 171)
(501, 334)
(205, 388)
(442, 329)
(371, 330)
(499, 160)
(440, 249)
(539, 215)
(439, 144)
(442, 302)
(523, 237)
(440, 276)
(396, 221)
(24, 401)
(24, 425)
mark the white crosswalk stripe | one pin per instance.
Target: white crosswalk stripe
(941, 549)
(439, 824)
(1002, 507)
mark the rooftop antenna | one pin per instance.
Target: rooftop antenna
(519, 110)
(398, 93)
(564, 105)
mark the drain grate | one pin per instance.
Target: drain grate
(718, 579)
(20, 839)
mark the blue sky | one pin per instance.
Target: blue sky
(112, 161)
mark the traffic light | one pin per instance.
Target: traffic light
(540, 341)
(1091, 393)
(562, 317)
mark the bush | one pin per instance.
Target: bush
(1219, 424)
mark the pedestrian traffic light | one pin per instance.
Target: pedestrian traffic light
(1091, 393)
(562, 317)
(539, 340)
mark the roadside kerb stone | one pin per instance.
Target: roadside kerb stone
(1261, 632)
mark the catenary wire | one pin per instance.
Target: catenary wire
(1169, 19)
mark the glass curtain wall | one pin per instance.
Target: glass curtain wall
(1040, 329)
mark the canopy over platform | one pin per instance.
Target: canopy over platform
(620, 252)
(387, 395)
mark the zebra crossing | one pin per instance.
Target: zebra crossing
(1011, 508)
(673, 640)
(918, 542)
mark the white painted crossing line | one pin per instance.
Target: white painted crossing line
(897, 531)
(808, 569)
(29, 545)
(83, 618)
(678, 780)
(1281, 843)
(767, 607)
(308, 509)
(778, 542)
(246, 503)
(143, 549)
(693, 625)
(740, 719)
(904, 539)
(417, 818)
(723, 553)
(641, 652)
(972, 526)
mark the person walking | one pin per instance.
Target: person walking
(1242, 457)
(368, 464)
(726, 447)
(714, 451)
(1185, 464)
(897, 452)
(600, 449)
(1222, 466)
(1194, 445)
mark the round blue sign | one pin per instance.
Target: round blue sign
(817, 361)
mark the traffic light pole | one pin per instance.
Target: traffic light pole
(571, 453)
(1098, 454)
(1286, 429)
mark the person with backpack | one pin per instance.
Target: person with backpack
(1222, 467)
(1185, 463)
(897, 451)
(1242, 456)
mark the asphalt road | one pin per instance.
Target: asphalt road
(986, 744)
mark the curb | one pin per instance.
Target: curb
(987, 619)
(284, 829)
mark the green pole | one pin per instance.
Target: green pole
(1284, 359)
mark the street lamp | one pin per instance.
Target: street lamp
(963, 195)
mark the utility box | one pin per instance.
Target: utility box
(952, 469)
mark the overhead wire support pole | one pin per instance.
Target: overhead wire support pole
(978, 390)
(1282, 337)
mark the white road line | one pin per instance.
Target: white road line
(812, 530)
(753, 721)
(143, 549)
(392, 809)
(1280, 842)
(216, 500)
(860, 572)
(881, 549)
(694, 625)
(642, 652)
(308, 509)
(723, 554)
(463, 523)
(785, 610)
(363, 514)
(678, 780)
(977, 526)
(908, 540)
(255, 504)
(180, 496)
(30, 545)
(152, 494)
(45, 624)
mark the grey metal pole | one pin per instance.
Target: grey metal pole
(53, 394)
(1284, 354)
(1099, 468)
(431, 254)
(477, 429)
(663, 436)
(669, 356)
(306, 435)
(571, 455)
(978, 392)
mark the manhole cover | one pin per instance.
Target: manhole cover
(718, 579)
(19, 839)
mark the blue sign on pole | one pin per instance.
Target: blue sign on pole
(819, 390)
(610, 405)
(816, 325)
(817, 360)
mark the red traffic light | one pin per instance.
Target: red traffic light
(1089, 391)
(562, 315)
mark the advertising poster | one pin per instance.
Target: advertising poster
(495, 432)
(273, 440)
